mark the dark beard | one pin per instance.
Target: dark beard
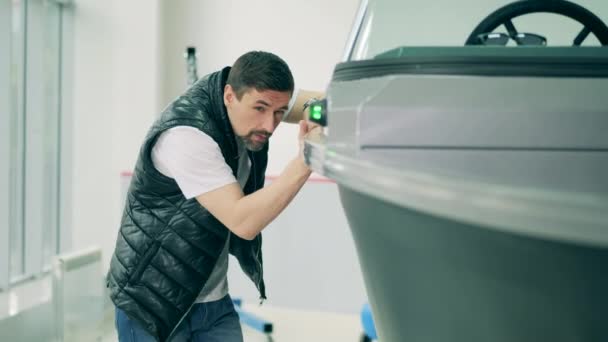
(252, 145)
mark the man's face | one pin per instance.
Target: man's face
(255, 117)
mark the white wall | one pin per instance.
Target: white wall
(309, 35)
(115, 98)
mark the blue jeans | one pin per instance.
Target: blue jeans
(209, 322)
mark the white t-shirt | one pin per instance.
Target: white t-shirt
(195, 161)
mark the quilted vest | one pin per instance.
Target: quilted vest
(167, 245)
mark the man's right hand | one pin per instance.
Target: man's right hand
(304, 129)
(311, 125)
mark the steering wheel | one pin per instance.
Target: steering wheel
(504, 16)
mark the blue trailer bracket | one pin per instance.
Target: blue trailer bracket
(252, 320)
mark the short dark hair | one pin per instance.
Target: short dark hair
(262, 71)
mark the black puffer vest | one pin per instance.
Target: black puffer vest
(167, 246)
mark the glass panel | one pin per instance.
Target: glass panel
(17, 142)
(5, 70)
(35, 57)
(389, 24)
(52, 63)
(41, 129)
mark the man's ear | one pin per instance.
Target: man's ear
(228, 95)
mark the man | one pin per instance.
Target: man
(196, 195)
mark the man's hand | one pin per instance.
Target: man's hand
(304, 129)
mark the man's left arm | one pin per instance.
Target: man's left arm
(297, 111)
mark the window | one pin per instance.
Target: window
(30, 138)
(5, 70)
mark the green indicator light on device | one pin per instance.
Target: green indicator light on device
(316, 112)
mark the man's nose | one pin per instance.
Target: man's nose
(269, 124)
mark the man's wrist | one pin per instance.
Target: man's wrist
(300, 167)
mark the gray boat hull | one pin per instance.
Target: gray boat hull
(431, 278)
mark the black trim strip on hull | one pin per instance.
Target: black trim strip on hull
(516, 66)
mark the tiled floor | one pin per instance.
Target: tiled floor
(295, 326)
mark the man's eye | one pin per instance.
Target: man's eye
(259, 109)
